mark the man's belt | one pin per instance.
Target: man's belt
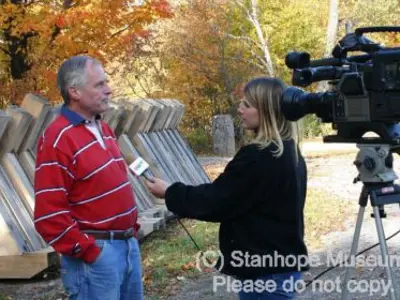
(111, 235)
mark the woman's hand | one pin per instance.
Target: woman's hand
(157, 187)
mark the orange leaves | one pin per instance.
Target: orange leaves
(9, 9)
(50, 75)
(238, 91)
(188, 266)
(162, 8)
(50, 31)
(60, 22)
(143, 33)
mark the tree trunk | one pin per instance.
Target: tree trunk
(264, 60)
(331, 34)
(261, 38)
(17, 47)
(332, 26)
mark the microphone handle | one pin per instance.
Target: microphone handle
(146, 174)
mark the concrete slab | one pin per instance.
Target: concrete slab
(154, 212)
(154, 223)
(134, 119)
(39, 108)
(140, 205)
(168, 215)
(145, 230)
(51, 116)
(183, 167)
(118, 123)
(142, 195)
(109, 114)
(4, 122)
(157, 211)
(180, 113)
(178, 110)
(21, 219)
(17, 129)
(28, 164)
(130, 115)
(174, 135)
(156, 111)
(12, 242)
(172, 115)
(156, 160)
(11, 237)
(129, 152)
(150, 112)
(158, 223)
(131, 149)
(19, 180)
(173, 167)
(54, 113)
(163, 115)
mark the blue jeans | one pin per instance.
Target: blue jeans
(284, 288)
(116, 273)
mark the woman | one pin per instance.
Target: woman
(258, 199)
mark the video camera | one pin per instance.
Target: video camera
(364, 94)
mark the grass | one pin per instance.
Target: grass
(169, 256)
(323, 214)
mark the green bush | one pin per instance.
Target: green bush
(313, 127)
(199, 140)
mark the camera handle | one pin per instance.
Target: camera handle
(362, 30)
(374, 163)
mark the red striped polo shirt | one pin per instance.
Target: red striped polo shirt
(79, 185)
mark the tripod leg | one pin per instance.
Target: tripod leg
(384, 252)
(353, 252)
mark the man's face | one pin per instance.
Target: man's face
(94, 95)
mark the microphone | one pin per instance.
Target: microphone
(141, 168)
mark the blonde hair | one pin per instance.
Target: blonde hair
(264, 94)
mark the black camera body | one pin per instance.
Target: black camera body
(364, 94)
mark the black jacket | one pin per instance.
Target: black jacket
(259, 200)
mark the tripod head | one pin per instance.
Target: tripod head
(375, 164)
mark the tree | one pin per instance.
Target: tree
(210, 48)
(251, 11)
(331, 34)
(37, 35)
(202, 67)
(369, 13)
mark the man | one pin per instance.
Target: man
(84, 203)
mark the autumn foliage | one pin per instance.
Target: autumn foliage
(37, 35)
(200, 55)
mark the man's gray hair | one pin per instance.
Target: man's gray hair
(73, 73)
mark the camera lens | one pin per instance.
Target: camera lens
(297, 60)
(295, 104)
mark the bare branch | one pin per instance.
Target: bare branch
(5, 51)
(252, 16)
(243, 38)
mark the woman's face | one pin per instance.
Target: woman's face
(248, 115)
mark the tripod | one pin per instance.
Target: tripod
(374, 163)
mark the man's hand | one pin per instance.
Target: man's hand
(157, 187)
